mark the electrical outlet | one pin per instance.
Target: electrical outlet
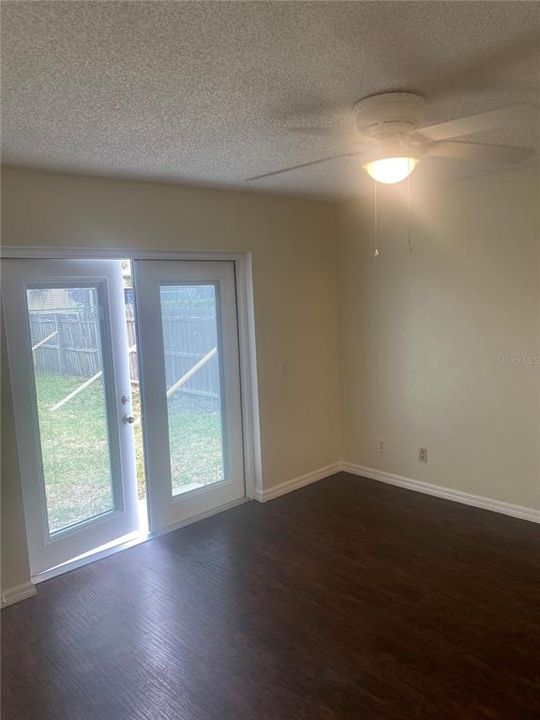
(422, 455)
(285, 367)
(380, 446)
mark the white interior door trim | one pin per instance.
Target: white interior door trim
(246, 329)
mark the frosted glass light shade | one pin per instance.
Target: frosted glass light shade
(392, 169)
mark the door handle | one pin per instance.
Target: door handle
(129, 419)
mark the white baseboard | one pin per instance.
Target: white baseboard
(18, 592)
(518, 511)
(484, 503)
(298, 482)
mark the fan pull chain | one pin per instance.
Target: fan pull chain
(376, 252)
(409, 213)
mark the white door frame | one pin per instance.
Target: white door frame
(246, 330)
(165, 508)
(48, 549)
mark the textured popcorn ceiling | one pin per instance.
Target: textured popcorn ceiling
(204, 92)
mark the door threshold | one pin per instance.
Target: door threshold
(200, 516)
(104, 551)
(128, 541)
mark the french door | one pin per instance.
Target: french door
(68, 351)
(190, 386)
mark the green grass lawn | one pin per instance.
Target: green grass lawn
(194, 441)
(75, 447)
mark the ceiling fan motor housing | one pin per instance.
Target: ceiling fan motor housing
(388, 115)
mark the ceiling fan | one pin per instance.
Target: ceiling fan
(392, 141)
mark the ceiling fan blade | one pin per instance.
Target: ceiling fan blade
(501, 117)
(503, 67)
(302, 165)
(477, 151)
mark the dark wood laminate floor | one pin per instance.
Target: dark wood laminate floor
(346, 599)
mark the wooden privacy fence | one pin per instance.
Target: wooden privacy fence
(66, 343)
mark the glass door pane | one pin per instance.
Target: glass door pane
(66, 338)
(192, 372)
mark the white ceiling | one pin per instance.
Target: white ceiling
(204, 92)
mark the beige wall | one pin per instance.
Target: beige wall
(441, 348)
(294, 279)
(14, 551)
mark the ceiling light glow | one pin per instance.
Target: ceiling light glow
(391, 169)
